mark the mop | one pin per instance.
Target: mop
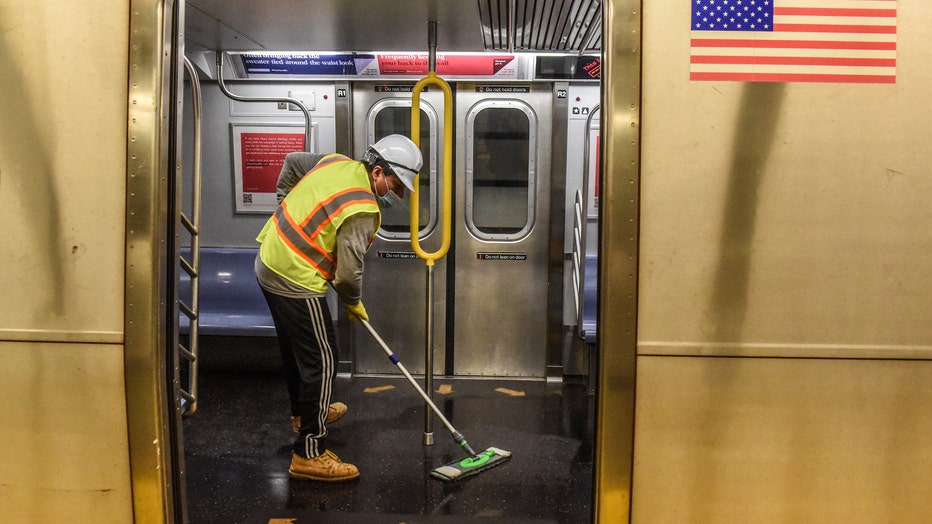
(458, 469)
(475, 462)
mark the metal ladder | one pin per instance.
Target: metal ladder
(189, 354)
(580, 227)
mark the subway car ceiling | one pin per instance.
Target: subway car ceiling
(546, 26)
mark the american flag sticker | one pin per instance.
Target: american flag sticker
(848, 41)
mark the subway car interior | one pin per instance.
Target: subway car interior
(664, 272)
(491, 307)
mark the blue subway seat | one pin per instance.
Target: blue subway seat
(590, 288)
(231, 301)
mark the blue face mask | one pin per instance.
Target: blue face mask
(389, 199)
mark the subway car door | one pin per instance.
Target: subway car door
(395, 279)
(501, 229)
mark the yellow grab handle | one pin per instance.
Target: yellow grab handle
(433, 79)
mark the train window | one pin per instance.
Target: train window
(500, 172)
(391, 117)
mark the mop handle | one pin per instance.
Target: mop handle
(395, 360)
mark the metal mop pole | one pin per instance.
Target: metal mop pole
(457, 436)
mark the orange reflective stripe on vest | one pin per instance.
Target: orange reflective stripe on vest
(329, 159)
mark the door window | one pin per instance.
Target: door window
(501, 169)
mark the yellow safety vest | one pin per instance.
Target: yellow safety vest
(299, 240)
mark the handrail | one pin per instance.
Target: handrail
(193, 268)
(585, 175)
(287, 99)
(579, 255)
(447, 207)
(447, 202)
(581, 225)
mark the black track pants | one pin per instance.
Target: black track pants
(309, 357)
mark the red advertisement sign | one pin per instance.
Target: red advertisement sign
(263, 156)
(471, 65)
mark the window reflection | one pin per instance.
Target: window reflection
(500, 171)
(397, 120)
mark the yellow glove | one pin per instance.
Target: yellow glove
(357, 311)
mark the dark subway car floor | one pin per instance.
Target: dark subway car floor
(238, 448)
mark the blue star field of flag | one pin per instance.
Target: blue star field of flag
(732, 15)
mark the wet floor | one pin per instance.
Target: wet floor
(238, 448)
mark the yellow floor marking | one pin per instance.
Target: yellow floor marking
(282, 521)
(378, 389)
(445, 389)
(511, 392)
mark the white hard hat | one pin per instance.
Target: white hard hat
(402, 156)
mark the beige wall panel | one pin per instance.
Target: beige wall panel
(64, 445)
(62, 166)
(785, 216)
(782, 441)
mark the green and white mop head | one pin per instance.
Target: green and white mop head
(460, 469)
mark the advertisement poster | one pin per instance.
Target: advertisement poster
(383, 65)
(258, 155)
(309, 64)
(493, 66)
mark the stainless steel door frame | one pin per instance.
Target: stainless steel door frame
(395, 280)
(501, 274)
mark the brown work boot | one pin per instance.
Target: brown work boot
(326, 468)
(334, 413)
